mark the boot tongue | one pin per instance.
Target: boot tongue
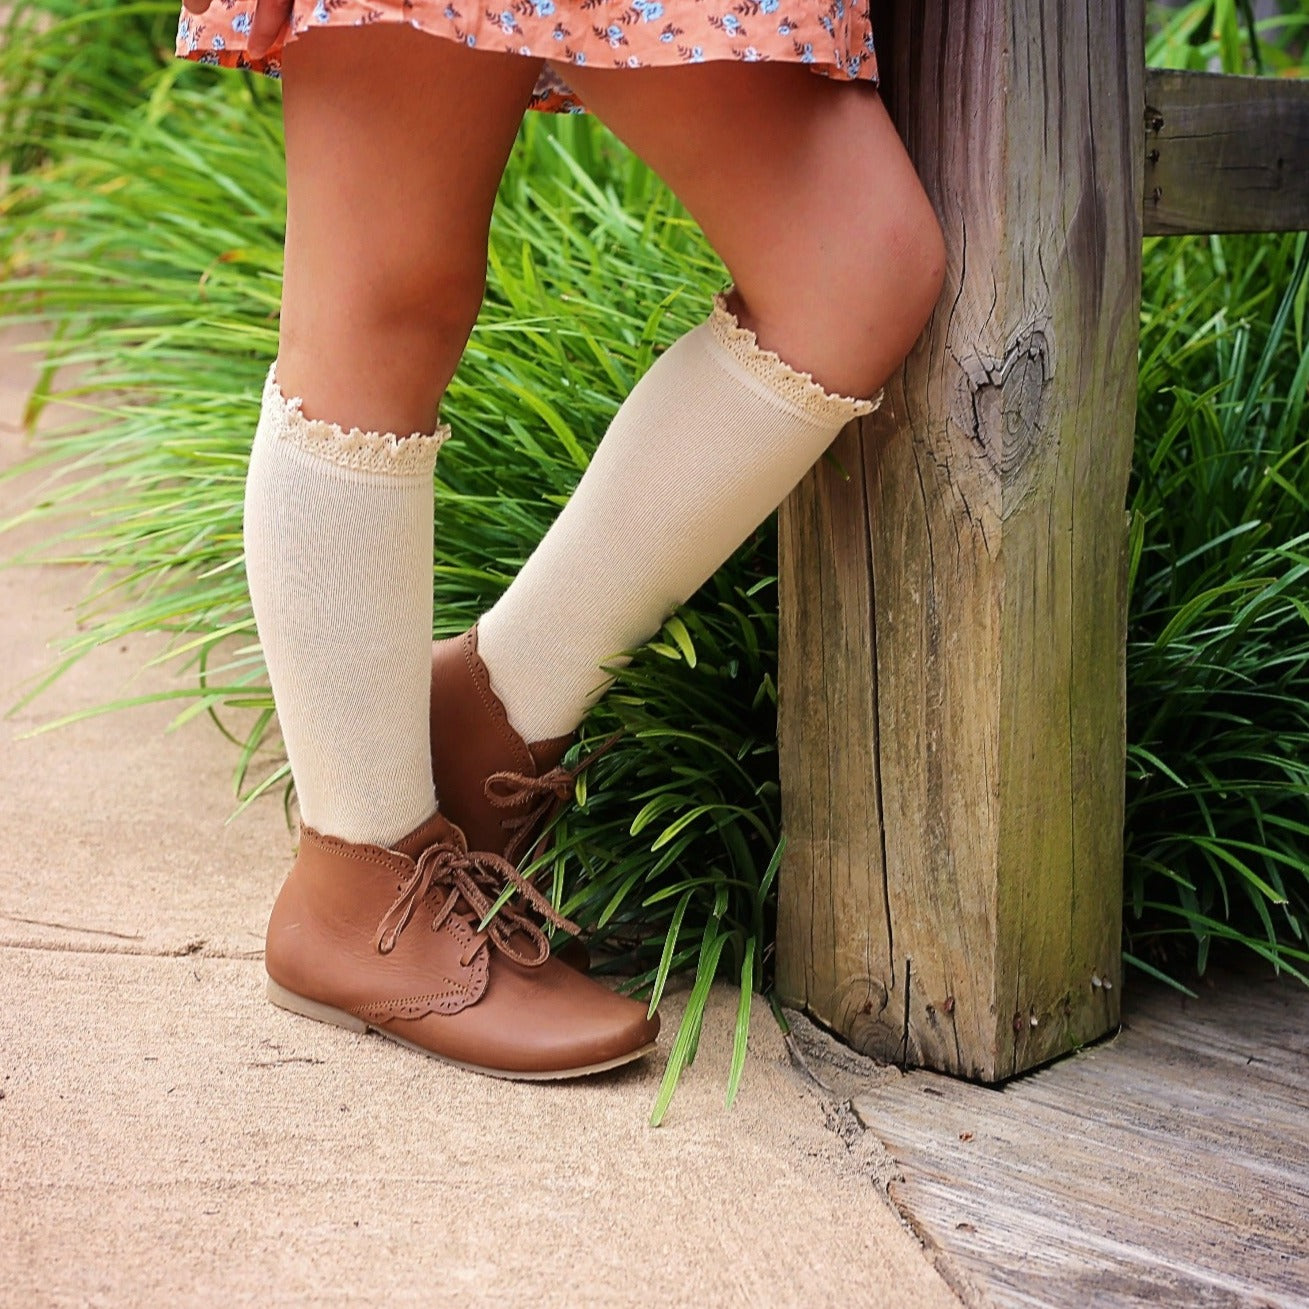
(437, 830)
(546, 754)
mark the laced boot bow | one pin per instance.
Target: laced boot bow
(472, 886)
(532, 803)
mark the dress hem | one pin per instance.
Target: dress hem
(196, 43)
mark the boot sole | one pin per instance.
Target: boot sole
(322, 1013)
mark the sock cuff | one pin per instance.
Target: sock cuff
(795, 386)
(283, 419)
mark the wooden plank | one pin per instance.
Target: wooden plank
(1136, 1172)
(1100, 1172)
(1029, 1261)
(1225, 154)
(960, 602)
(1178, 1041)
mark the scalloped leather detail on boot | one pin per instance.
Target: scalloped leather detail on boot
(454, 995)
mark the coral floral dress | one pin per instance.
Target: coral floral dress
(833, 37)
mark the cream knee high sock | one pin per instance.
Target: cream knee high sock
(338, 552)
(710, 441)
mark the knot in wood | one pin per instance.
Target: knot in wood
(1008, 399)
(860, 1012)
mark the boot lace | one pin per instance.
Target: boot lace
(539, 798)
(471, 881)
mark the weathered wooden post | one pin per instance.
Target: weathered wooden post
(953, 614)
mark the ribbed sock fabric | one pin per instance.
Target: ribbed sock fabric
(711, 439)
(338, 553)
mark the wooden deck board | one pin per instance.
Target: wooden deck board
(1168, 1165)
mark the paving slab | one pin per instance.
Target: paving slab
(169, 1137)
(115, 829)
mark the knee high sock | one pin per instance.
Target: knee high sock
(709, 442)
(338, 551)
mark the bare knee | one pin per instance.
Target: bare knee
(371, 338)
(851, 322)
(428, 302)
(906, 267)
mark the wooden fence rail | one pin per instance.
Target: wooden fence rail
(953, 628)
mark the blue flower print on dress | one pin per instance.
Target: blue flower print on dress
(320, 12)
(218, 44)
(543, 8)
(648, 9)
(242, 23)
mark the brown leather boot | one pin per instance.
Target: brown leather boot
(387, 939)
(499, 789)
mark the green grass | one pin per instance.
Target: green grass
(67, 66)
(1218, 640)
(144, 223)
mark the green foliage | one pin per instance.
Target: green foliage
(144, 223)
(67, 66)
(1224, 36)
(1218, 646)
(1218, 640)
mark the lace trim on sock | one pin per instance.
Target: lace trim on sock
(365, 452)
(800, 388)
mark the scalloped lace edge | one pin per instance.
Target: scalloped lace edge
(364, 452)
(769, 367)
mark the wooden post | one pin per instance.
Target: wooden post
(953, 615)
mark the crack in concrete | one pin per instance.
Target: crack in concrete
(198, 949)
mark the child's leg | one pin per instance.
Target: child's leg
(805, 190)
(395, 143)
